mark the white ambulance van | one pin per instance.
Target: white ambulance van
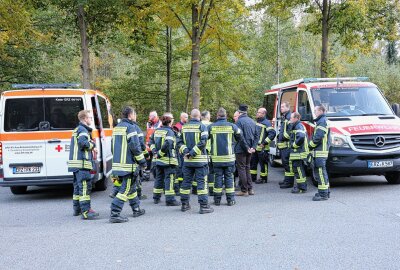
(36, 124)
(364, 130)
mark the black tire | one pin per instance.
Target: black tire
(18, 190)
(393, 178)
(101, 185)
(271, 161)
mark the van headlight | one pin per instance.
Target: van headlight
(338, 140)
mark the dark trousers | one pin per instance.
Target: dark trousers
(127, 192)
(258, 158)
(224, 177)
(164, 183)
(82, 187)
(243, 167)
(199, 174)
(321, 175)
(287, 165)
(300, 174)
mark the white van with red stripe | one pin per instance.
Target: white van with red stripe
(36, 124)
(364, 130)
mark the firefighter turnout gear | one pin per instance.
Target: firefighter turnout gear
(283, 146)
(223, 135)
(163, 146)
(298, 154)
(260, 157)
(81, 163)
(192, 145)
(211, 174)
(127, 157)
(319, 144)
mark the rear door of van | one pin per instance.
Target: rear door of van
(24, 148)
(61, 114)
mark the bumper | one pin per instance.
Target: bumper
(347, 162)
(36, 181)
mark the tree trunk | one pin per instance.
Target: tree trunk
(195, 58)
(325, 40)
(391, 53)
(168, 105)
(85, 66)
(188, 91)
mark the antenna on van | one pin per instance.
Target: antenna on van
(46, 86)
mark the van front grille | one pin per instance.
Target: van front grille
(376, 141)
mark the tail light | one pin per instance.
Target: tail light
(1, 161)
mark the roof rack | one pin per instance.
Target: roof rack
(46, 85)
(311, 80)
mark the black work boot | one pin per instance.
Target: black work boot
(89, 215)
(231, 203)
(286, 185)
(115, 217)
(254, 178)
(281, 182)
(259, 181)
(185, 207)
(173, 203)
(77, 209)
(137, 212)
(211, 191)
(217, 202)
(205, 209)
(157, 200)
(320, 197)
(297, 190)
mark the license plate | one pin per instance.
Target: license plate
(380, 164)
(26, 170)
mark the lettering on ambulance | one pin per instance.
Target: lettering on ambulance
(372, 128)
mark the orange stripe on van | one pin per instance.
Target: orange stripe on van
(28, 93)
(45, 135)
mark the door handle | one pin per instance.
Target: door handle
(54, 141)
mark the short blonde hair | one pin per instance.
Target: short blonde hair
(83, 114)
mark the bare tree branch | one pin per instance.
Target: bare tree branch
(182, 23)
(318, 4)
(206, 19)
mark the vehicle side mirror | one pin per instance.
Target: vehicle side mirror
(396, 109)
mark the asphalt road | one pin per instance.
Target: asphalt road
(358, 228)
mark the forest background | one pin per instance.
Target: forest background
(175, 55)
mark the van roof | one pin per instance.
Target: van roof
(323, 82)
(49, 91)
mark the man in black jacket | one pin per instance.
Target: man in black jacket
(244, 149)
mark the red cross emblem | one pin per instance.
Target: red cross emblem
(59, 148)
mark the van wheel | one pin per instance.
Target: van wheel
(271, 160)
(19, 190)
(101, 185)
(393, 178)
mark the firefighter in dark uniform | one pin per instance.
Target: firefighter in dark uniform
(81, 163)
(127, 158)
(267, 134)
(222, 137)
(192, 143)
(319, 145)
(163, 146)
(117, 182)
(298, 152)
(283, 145)
(205, 119)
(179, 175)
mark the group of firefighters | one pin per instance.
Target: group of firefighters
(199, 157)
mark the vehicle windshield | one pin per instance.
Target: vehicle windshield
(351, 101)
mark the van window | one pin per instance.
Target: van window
(269, 104)
(23, 114)
(62, 112)
(304, 107)
(289, 96)
(103, 112)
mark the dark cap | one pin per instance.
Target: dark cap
(243, 108)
